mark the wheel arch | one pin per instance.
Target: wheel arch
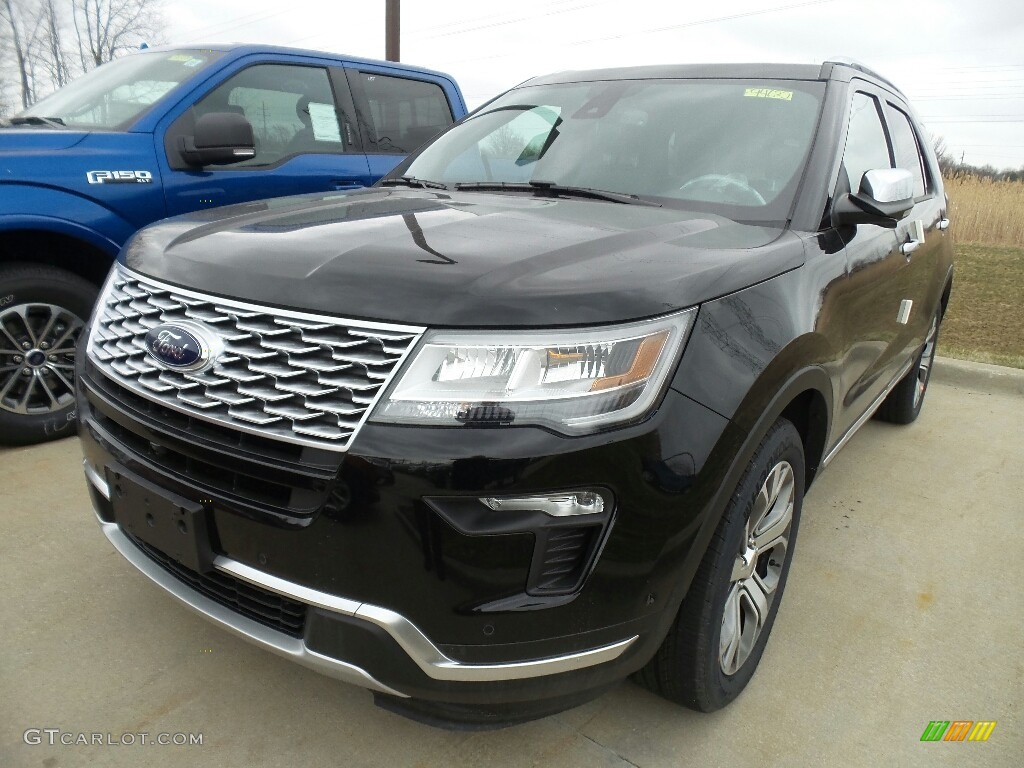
(61, 244)
(804, 398)
(947, 291)
(809, 413)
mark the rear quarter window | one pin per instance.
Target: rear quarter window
(398, 114)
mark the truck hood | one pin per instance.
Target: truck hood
(14, 140)
(462, 259)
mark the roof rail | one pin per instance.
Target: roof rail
(852, 63)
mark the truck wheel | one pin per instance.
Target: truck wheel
(716, 641)
(903, 404)
(42, 312)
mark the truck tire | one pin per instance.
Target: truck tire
(712, 649)
(43, 310)
(903, 404)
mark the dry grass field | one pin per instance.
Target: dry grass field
(986, 212)
(985, 321)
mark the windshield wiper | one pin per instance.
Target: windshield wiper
(51, 122)
(550, 188)
(412, 181)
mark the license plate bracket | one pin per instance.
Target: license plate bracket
(176, 526)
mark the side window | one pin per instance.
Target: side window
(291, 110)
(400, 114)
(866, 145)
(904, 144)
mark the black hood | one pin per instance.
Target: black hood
(462, 259)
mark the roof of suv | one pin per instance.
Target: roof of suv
(829, 70)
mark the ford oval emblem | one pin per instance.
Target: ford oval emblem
(178, 347)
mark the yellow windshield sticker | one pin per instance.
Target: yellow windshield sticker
(768, 93)
(186, 60)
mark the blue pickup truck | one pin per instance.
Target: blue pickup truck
(163, 132)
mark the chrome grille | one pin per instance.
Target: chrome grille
(292, 376)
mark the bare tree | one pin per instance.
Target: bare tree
(55, 56)
(5, 104)
(44, 44)
(943, 154)
(106, 28)
(504, 143)
(23, 36)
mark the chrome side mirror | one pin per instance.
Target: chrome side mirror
(888, 185)
(885, 196)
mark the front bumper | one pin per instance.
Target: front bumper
(420, 650)
(393, 597)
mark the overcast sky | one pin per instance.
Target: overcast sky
(961, 62)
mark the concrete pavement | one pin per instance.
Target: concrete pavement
(905, 604)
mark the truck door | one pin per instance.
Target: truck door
(305, 139)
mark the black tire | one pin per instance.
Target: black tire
(903, 404)
(690, 666)
(39, 405)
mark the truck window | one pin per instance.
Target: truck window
(291, 108)
(399, 114)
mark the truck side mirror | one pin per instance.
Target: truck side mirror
(220, 138)
(886, 195)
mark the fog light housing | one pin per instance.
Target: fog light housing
(554, 505)
(569, 529)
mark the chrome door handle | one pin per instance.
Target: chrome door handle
(909, 247)
(942, 225)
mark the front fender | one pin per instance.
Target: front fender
(11, 222)
(746, 348)
(37, 207)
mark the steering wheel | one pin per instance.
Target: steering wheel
(720, 188)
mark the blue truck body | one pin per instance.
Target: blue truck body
(72, 193)
(43, 171)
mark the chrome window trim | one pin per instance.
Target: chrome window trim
(417, 645)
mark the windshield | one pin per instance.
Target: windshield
(113, 95)
(732, 147)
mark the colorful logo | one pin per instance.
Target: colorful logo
(958, 730)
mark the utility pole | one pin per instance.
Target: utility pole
(392, 28)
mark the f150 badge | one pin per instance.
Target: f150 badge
(119, 177)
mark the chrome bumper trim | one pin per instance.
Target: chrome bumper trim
(418, 646)
(269, 639)
(412, 640)
(96, 479)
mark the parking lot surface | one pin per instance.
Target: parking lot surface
(905, 604)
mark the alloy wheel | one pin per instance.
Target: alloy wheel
(37, 358)
(924, 367)
(758, 567)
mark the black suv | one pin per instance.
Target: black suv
(539, 411)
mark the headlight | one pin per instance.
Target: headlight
(572, 381)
